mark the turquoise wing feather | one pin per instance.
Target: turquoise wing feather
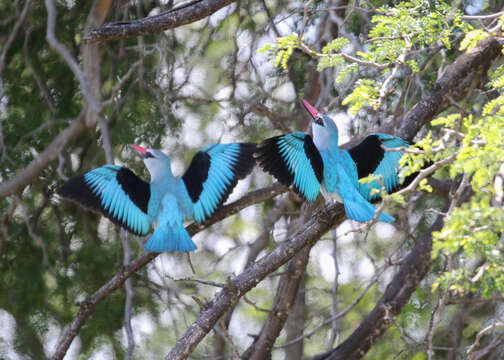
(371, 159)
(294, 160)
(213, 174)
(115, 192)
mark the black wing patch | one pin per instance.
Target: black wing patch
(313, 154)
(196, 175)
(246, 160)
(269, 158)
(367, 155)
(77, 189)
(136, 189)
(293, 159)
(114, 191)
(213, 174)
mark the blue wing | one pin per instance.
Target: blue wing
(213, 174)
(293, 159)
(371, 159)
(115, 192)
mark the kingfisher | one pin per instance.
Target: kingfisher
(308, 163)
(164, 203)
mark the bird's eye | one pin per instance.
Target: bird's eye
(319, 121)
(148, 155)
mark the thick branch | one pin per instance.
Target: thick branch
(284, 300)
(88, 306)
(424, 111)
(28, 174)
(185, 14)
(397, 294)
(434, 101)
(308, 234)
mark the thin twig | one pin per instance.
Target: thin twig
(435, 320)
(303, 47)
(201, 281)
(254, 305)
(424, 173)
(117, 87)
(228, 338)
(10, 40)
(130, 293)
(335, 333)
(36, 238)
(188, 257)
(482, 332)
(338, 315)
(67, 56)
(343, 7)
(483, 17)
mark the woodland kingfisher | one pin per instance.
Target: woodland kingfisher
(297, 159)
(165, 202)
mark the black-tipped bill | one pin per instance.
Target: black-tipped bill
(141, 150)
(144, 152)
(314, 113)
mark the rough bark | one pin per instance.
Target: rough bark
(397, 294)
(295, 324)
(91, 59)
(285, 299)
(88, 306)
(307, 235)
(182, 15)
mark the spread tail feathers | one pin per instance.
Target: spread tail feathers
(363, 211)
(166, 238)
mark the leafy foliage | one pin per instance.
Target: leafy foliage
(205, 82)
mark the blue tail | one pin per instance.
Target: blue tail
(166, 238)
(363, 211)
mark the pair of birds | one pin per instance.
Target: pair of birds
(293, 159)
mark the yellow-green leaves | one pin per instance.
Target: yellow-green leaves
(473, 229)
(471, 39)
(283, 49)
(285, 45)
(366, 92)
(411, 23)
(332, 58)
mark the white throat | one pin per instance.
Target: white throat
(159, 170)
(320, 137)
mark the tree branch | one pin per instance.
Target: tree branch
(185, 14)
(413, 269)
(397, 294)
(10, 40)
(321, 222)
(65, 54)
(425, 110)
(28, 174)
(88, 306)
(284, 300)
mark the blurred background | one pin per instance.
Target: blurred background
(180, 90)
